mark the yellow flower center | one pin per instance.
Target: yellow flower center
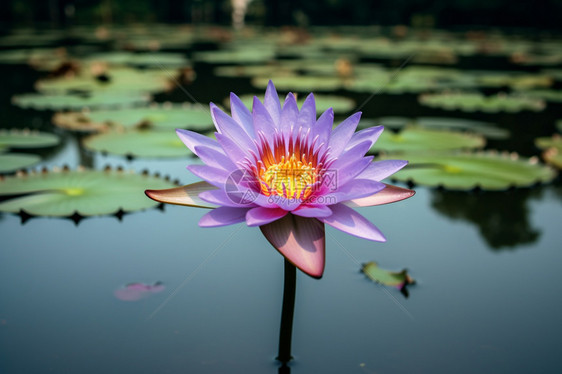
(290, 178)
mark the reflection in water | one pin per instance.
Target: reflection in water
(502, 217)
(137, 291)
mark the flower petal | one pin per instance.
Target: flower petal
(192, 139)
(229, 127)
(233, 150)
(263, 123)
(216, 177)
(389, 194)
(241, 114)
(272, 104)
(307, 114)
(310, 210)
(324, 125)
(343, 133)
(300, 240)
(354, 189)
(221, 198)
(351, 222)
(186, 195)
(289, 114)
(370, 134)
(379, 170)
(214, 158)
(223, 216)
(259, 216)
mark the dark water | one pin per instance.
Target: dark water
(487, 298)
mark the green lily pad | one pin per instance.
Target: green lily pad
(115, 80)
(415, 138)
(299, 83)
(388, 278)
(472, 102)
(138, 144)
(253, 70)
(77, 102)
(83, 192)
(156, 59)
(10, 162)
(236, 56)
(552, 149)
(164, 117)
(513, 80)
(465, 171)
(554, 96)
(486, 129)
(339, 104)
(27, 139)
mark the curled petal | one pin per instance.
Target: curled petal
(223, 216)
(389, 194)
(300, 240)
(186, 195)
(351, 222)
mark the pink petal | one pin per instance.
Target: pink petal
(223, 216)
(343, 133)
(216, 177)
(186, 195)
(261, 216)
(300, 240)
(371, 134)
(233, 150)
(351, 222)
(221, 198)
(389, 194)
(241, 114)
(355, 189)
(215, 158)
(192, 139)
(272, 104)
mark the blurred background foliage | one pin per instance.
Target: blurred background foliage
(540, 14)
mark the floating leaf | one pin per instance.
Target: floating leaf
(554, 96)
(79, 101)
(300, 83)
(27, 139)
(155, 59)
(465, 171)
(164, 117)
(388, 278)
(486, 129)
(115, 80)
(238, 56)
(552, 149)
(138, 144)
(138, 291)
(513, 80)
(339, 104)
(86, 192)
(10, 162)
(471, 102)
(252, 70)
(415, 138)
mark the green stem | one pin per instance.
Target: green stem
(286, 331)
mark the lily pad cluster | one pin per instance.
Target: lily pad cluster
(472, 102)
(66, 193)
(22, 139)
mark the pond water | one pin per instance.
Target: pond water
(486, 297)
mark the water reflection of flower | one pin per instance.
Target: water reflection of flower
(284, 170)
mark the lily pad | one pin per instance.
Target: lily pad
(554, 96)
(236, 56)
(339, 104)
(79, 101)
(552, 149)
(155, 59)
(389, 278)
(299, 83)
(155, 117)
(27, 139)
(486, 129)
(115, 80)
(415, 138)
(84, 192)
(10, 162)
(138, 144)
(513, 80)
(472, 102)
(466, 171)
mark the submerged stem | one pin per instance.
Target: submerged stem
(286, 330)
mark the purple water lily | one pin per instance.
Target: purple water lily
(284, 170)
